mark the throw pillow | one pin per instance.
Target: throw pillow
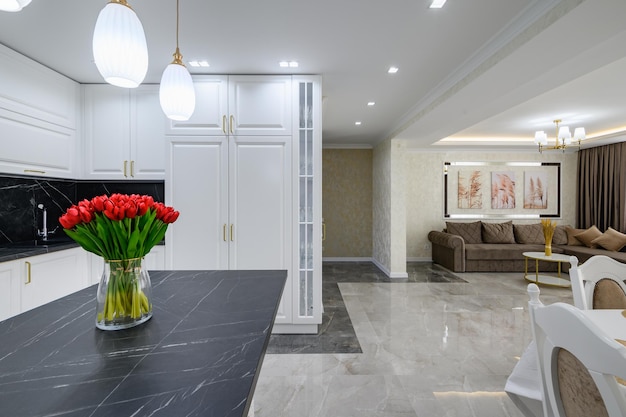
(571, 236)
(529, 233)
(588, 236)
(470, 232)
(560, 236)
(498, 232)
(610, 240)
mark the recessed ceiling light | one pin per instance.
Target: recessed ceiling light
(437, 4)
(392, 70)
(203, 63)
(288, 64)
(371, 103)
(357, 123)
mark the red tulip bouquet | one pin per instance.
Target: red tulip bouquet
(122, 229)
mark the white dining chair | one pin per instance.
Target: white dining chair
(598, 283)
(523, 386)
(578, 362)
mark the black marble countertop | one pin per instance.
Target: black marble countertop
(199, 355)
(13, 251)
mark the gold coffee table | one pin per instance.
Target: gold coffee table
(538, 278)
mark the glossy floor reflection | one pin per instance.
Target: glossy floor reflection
(336, 333)
(428, 349)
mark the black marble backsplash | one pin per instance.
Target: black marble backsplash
(20, 217)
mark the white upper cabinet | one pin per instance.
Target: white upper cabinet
(38, 118)
(259, 105)
(239, 105)
(209, 116)
(124, 133)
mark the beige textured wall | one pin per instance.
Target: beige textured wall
(389, 208)
(347, 202)
(424, 185)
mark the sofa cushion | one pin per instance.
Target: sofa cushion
(470, 232)
(571, 238)
(610, 240)
(583, 253)
(588, 236)
(503, 252)
(529, 233)
(498, 232)
(560, 236)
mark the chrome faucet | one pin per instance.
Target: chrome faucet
(44, 232)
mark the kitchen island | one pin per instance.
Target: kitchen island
(199, 355)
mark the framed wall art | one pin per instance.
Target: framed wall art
(515, 190)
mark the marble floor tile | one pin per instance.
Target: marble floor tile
(428, 348)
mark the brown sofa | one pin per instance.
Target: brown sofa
(498, 247)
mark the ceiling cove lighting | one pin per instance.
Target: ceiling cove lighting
(563, 137)
(392, 70)
(437, 4)
(176, 93)
(119, 45)
(13, 5)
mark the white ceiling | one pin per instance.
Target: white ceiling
(476, 69)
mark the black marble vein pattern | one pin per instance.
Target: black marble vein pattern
(20, 217)
(199, 355)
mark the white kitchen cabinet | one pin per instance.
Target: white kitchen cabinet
(240, 105)
(234, 195)
(240, 198)
(51, 276)
(124, 133)
(303, 312)
(38, 118)
(10, 300)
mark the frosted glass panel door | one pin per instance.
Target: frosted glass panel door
(309, 233)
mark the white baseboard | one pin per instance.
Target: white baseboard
(388, 272)
(347, 259)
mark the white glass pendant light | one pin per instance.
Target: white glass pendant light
(176, 92)
(13, 5)
(119, 45)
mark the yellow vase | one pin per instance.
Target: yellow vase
(549, 249)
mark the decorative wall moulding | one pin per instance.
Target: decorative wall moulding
(501, 190)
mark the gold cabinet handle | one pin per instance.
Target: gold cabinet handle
(224, 232)
(132, 168)
(323, 231)
(27, 272)
(224, 124)
(232, 119)
(232, 237)
(125, 167)
(36, 171)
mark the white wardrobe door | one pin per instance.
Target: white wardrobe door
(198, 177)
(260, 202)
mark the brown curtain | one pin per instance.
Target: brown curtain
(601, 193)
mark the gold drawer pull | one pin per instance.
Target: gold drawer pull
(28, 267)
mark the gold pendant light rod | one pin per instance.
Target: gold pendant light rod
(178, 58)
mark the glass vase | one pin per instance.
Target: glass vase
(124, 297)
